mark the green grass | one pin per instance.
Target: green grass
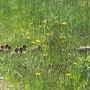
(39, 22)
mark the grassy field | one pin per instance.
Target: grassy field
(59, 27)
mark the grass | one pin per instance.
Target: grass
(59, 27)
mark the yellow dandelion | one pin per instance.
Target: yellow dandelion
(47, 34)
(38, 41)
(26, 59)
(68, 74)
(45, 21)
(62, 37)
(33, 42)
(28, 38)
(37, 73)
(22, 29)
(56, 21)
(45, 55)
(64, 23)
(28, 33)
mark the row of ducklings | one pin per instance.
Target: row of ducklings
(18, 50)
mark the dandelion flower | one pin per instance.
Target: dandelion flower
(37, 73)
(26, 59)
(47, 34)
(62, 37)
(68, 74)
(33, 42)
(45, 21)
(22, 29)
(28, 37)
(64, 23)
(38, 41)
(56, 21)
(45, 55)
(28, 33)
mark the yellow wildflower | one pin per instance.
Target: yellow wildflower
(37, 40)
(62, 37)
(33, 42)
(45, 55)
(28, 38)
(64, 23)
(37, 73)
(26, 59)
(45, 21)
(47, 34)
(68, 74)
(22, 29)
(28, 33)
(56, 21)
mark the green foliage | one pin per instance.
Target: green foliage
(59, 27)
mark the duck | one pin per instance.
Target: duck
(36, 48)
(84, 48)
(1, 47)
(15, 52)
(24, 47)
(6, 48)
(19, 50)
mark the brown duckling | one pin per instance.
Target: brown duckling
(21, 49)
(15, 52)
(24, 47)
(36, 48)
(1, 47)
(6, 48)
(84, 48)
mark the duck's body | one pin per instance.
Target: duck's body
(5, 48)
(1, 47)
(84, 48)
(35, 48)
(19, 50)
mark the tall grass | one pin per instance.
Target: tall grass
(59, 27)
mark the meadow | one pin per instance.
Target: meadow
(59, 27)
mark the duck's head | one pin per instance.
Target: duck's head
(24, 47)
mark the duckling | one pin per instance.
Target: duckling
(84, 48)
(1, 47)
(6, 48)
(20, 50)
(36, 48)
(15, 52)
(24, 47)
